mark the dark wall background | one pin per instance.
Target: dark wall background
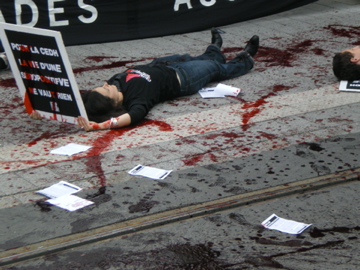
(96, 21)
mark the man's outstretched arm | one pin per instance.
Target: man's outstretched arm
(116, 122)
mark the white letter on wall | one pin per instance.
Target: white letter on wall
(34, 10)
(2, 19)
(53, 11)
(89, 8)
(208, 3)
(179, 2)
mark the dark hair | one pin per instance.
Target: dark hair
(100, 108)
(344, 69)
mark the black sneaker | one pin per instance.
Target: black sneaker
(252, 46)
(216, 38)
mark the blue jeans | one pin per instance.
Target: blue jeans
(196, 72)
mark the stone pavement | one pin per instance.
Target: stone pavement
(290, 123)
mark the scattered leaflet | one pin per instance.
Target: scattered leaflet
(220, 91)
(60, 189)
(284, 225)
(70, 202)
(61, 196)
(349, 86)
(149, 172)
(210, 93)
(70, 149)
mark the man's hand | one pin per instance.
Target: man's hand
(118, 122)
(35, 115)
(86, 125)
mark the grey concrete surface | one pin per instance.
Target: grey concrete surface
(126, 200)
(234, 239)
(289, 124)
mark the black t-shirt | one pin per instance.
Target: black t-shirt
(145, 86)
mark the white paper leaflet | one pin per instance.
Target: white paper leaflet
(153, 173)
(70, 202)
(70, 149)
(220, 91)
(60, 189)
(284, 225)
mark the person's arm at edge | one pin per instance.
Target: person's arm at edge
(35, 115)
(116, 122)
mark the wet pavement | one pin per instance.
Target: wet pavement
(233, 239)
(289, 144)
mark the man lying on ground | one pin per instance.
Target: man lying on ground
(126, 98)
(346, 64)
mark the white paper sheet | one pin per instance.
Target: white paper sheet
(210, 93)
(70, 202)
(284, 225)
(153, 173)
(60, 189)
(70, 149)
(220, 91)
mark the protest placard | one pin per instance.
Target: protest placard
(41, 67)
(349, 86)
